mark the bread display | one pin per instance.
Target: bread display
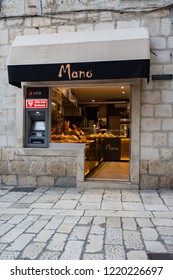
(73, 134)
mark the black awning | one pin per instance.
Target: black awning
(94, 55)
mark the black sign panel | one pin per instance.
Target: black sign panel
(111, 149)
(37, 92)
(79, 71)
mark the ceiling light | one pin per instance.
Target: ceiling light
(93, 100)
(122, 87)
(123, 92)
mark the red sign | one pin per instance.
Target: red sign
(36, 103)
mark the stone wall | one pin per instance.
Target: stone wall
(19, 167)
(38, 7)
(50, 16)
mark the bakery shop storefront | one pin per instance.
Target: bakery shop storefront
(81, 99)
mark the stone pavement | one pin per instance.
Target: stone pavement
(58, 223)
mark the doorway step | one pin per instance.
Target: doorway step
(107, 184)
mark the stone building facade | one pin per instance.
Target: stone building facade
(18, 165)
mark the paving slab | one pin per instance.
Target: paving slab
(137, 255)
(90, 224)
(114, 252)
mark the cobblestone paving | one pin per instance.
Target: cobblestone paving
(59, 223)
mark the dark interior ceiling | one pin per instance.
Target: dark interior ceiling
(101, 93)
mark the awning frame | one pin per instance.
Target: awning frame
(89, 55)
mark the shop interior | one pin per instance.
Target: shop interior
(98, 116)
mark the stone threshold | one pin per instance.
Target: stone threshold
(107, 184)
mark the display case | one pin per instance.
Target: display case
(93, 154)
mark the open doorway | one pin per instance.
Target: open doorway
(99, 116)
(110, 106)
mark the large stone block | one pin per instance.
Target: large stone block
(71, 169)
(45, 181)
(149, 98)
(147, 110)
(3, 140)
(167, 96)
(165, 26)
(166, 154)
(150, 124)
(3, 167)
(84, 27)
(3, 115)
(4, 37)
(2, 23)
(13, 22)
(65, 182)
(66, 28)
(167, 124)
(13, 33)
(155, 68)
(148, 182)
(19, 167)
(40, 22)
(9, 127)
(157, 168)
(146, 139)
(168, 69)
(56, 168)
(104, 25)
(38, 167)
(162, 56)
(165, 181)
(8, 154)
(8, 102)
(11, 140)
(158, 43)
(170, 42)
(148, 153)
(153, 25)
(144, 167)
(4, 51)
(162, 110)
(132, 23)
(160, 139)
(26, 180)
(9, 8)
(48, 30)
(10, 180)
(27, 22)
(106, 16)
(31, 31)
(170, 139)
